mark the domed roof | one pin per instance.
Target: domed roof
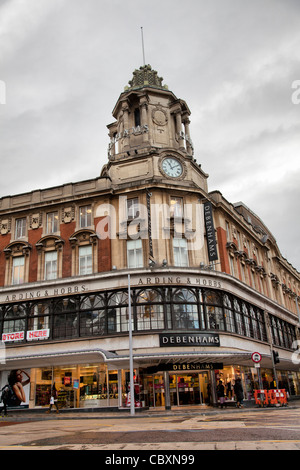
(145, 76)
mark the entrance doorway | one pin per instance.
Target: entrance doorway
(185, 389)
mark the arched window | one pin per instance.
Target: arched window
(17, 262)
(92, 316)
(50, 257)
(65, 318)
(149, 310)
(84, 252)
(182, 311)
(214, 311)
(229, 315)
(117, 312)
(14, 318)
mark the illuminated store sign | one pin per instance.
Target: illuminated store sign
(186, 340)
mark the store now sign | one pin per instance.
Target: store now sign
(31, 335)
(185, 339)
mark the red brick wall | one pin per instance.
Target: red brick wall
(4, 241)
(104, 251)
(222, 240)
(66, 230)
(33, 237)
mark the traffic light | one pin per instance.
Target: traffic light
(276, 357)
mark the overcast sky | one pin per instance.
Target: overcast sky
(64, 64)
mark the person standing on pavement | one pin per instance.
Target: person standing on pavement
(221, 393)
(239, 393)
(53, 399)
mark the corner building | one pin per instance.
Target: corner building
(208, 284)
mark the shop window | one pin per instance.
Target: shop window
(117, 311)
(65, 319)
(182, 312)
(229, 315)
(246, 319)
(39, 318)
(149, 310)
(92, 316)
(14, 318)
(238, 317)
(214, 310)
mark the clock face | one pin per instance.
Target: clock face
(172, 167)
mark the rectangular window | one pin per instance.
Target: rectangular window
(50, 265)
(176, 207)
(85, 216)
(18, 270)
(134, 254)
(85, 260)
(20, 228)
(133, 208)
(180, 252)
(52, 222)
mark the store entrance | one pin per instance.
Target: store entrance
(185, 389)
(191, 389)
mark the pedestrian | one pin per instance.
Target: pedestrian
(239, 393)
(53, 400)
(221, 393)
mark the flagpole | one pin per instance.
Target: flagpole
(143, 45)
(132, 410)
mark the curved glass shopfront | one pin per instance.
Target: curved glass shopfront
(159, 308)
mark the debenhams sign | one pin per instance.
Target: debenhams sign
(186, 339)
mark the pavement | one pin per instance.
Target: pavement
(26, 414)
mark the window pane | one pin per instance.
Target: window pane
(176, 207)
(180, 252)
(85, 216)
(52, 222)
(134, 254)
(18, 270)
(20, 228)
(51, 265)
(132, 208)
(85, 260)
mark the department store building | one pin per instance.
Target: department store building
(203, 278)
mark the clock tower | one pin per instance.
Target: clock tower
(150, 138)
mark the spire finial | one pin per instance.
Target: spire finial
(143, 45)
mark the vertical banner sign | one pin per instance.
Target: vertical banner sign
(210, 232)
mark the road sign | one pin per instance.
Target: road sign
(256, 357)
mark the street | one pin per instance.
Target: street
(251, 429)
